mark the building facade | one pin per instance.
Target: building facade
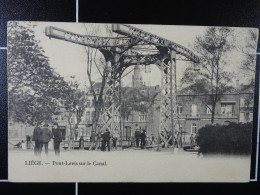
(192, 111)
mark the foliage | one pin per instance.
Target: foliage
(249, 52)
(134, 100)
(97, 65)
(225, 139)
(34, 88)
(212, 80)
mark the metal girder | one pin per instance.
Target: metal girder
(91, 41)
(140, 59)
(134, 32)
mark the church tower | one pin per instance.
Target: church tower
(137, 79)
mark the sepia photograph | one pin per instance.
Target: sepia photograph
(93, 102)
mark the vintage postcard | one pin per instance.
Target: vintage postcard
(130, 103)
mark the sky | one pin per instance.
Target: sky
(70, 59)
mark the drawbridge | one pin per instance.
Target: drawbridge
(134, 47)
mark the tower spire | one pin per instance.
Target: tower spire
(137, 79)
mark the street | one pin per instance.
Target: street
(127, 166)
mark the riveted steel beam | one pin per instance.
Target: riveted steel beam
(137, 33)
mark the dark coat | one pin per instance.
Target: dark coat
(45, 134)
(143, 136)
(137, 134)
(36, 134)
(106, 136)
(57, 135)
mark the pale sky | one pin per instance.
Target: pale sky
(70, 59)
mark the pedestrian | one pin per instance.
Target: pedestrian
(107, 137)
(192, 139)
(143, 137)
(114, 140)
(76, 132)
(137, 135)
(153, 139)
(28, 142)
(35, 138)
(102, 140)
(57, 138)
(81, 142)
(132, 139)
(92, 140)
(44, 138)
(98, 140)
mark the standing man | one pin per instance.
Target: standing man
(35, 138)
(114, 140)
(143, 137)
(102, 140)
(137, 136)
(107, 140)
(28, 142)
(45, 137)
(57, 138)
(92, 140)
(98, 140)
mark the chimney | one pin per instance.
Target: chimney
(237, 85)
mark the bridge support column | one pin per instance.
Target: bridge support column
(111, 110)
(175, 125)
(168, 106)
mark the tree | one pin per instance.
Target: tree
(34, 89)
(249, 52)
(75, 104)
(247, 67)
(133, 100)
(212, 48)
(96, 62)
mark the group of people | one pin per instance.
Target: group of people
(104, 139)
(140, 136)
(42, 135)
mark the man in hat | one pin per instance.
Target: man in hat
(137, 135)
(143, 137)
(44, 138)
(107, 140)
(57, 138)
(35, 138)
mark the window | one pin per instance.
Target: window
(242, 102)
(242, 117)
(209, 108)
(88, 103)
(127, 118)
(93, 115)
(193, 109)
(88, 116)
(142, 117)
(179, 109)
(194, 128)
(227, 109)
(126, 132)
(251, 116)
